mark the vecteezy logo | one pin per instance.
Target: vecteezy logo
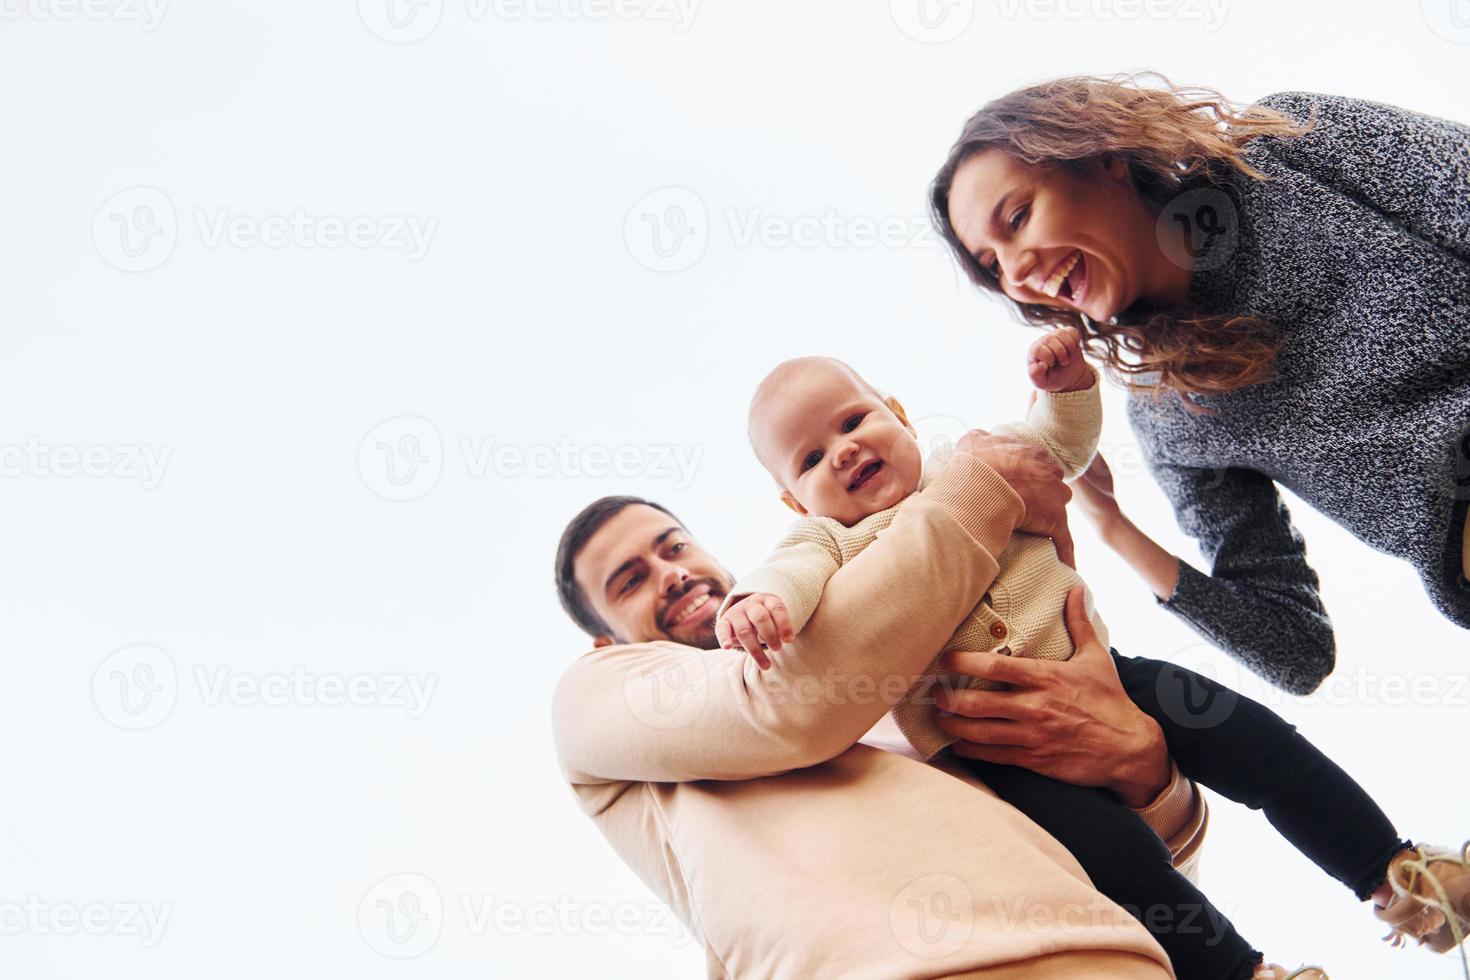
(401, 21)
(1199, 229)
(135, 230)
(402, 458)
(1462, 465)
(932, 21)
(667, 696)
(933, 915)
(401, 916)
(136, 687)
(1196, 698)
(667, 229)
(1450, 19)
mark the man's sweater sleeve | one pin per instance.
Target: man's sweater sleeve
(664, 712)
(1260, 603)
(1409, 166)
(1067, 423)
(1180, 816)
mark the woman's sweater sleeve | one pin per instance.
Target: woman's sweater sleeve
(1260, 602)
(1409, 166)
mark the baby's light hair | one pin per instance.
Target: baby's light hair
(771, 383)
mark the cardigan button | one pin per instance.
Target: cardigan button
(998, 630)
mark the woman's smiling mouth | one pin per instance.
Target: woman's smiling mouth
(1068, 280)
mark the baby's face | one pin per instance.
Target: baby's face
(837, 448)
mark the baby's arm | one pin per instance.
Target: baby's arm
(756, 622)
(1066, 414)
(774, 602)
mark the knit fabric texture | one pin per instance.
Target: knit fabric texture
(1357, 247)
(1021, 615)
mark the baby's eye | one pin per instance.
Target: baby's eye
(812, 459)
(852, 422)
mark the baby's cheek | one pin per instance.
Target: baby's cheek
(911, 466)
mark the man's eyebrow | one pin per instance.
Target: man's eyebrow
(633, 561)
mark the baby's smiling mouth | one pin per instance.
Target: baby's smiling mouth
(864, 474)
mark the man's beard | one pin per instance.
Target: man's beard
(704, 636)
(705, 639)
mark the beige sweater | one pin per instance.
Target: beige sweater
(740, 797)
(1020, 614)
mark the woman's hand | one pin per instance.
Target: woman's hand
(1094, 493)
(1069, 720)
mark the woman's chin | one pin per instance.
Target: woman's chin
(1098, 309)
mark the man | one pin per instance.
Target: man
(744, 797)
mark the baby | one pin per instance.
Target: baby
(845, 456)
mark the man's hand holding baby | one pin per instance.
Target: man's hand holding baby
(1056, 364)
(758, 619)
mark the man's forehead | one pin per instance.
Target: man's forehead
(625, 535)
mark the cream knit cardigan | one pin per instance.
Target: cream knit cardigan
(1020, 615)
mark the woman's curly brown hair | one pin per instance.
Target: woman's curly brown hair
(1173, 139)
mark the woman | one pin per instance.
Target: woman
(1286, 288)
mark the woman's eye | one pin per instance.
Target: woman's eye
(1019, 216)
(812, 459)
(852, 423)
(992, 267)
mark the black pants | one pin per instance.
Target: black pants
(1241, 750)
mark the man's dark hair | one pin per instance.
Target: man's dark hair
(573, 540)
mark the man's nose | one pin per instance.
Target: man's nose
(671, 578)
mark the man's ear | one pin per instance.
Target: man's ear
(896, 407)
(602, 640)
(792, 502)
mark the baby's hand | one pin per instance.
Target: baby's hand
(759, 618)
(1055, 362)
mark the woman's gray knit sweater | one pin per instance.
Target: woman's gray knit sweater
(1358, 247)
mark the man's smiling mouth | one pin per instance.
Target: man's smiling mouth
(865, 474)
(687, 606)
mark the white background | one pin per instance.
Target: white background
(522, 140)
